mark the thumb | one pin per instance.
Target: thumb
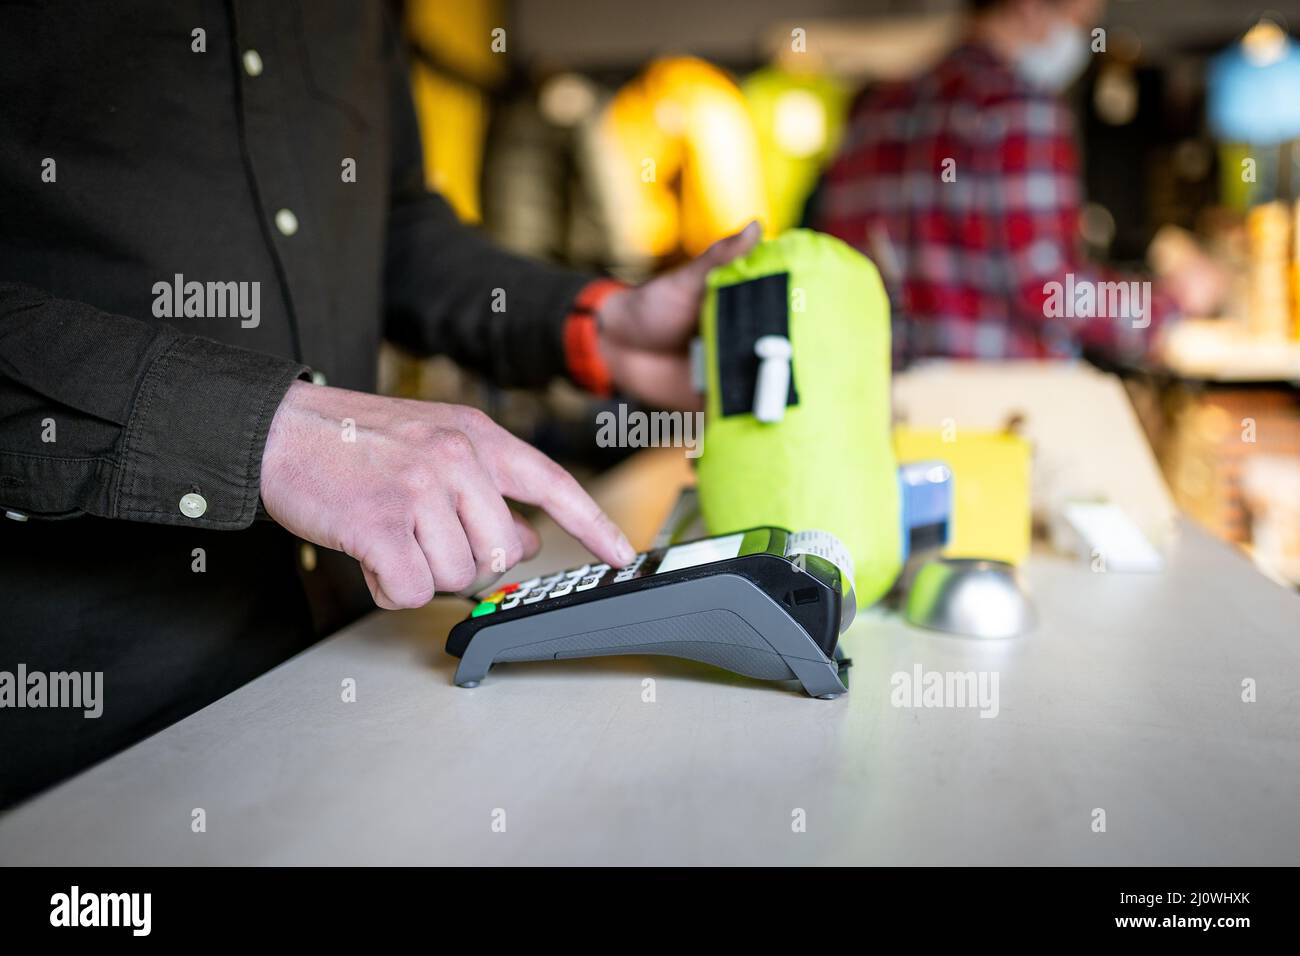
(729, 247)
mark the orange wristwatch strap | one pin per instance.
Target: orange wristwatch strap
(581, 338)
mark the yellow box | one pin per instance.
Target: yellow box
(991, 488)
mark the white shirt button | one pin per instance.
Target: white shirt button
(318, 378)
(193, 506)
(286, 222)
(252, 63)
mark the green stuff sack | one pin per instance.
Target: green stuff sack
(827, 464)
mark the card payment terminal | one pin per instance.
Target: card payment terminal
(755, 602)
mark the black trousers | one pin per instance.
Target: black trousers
(129, 600)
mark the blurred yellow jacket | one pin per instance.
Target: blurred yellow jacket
(679, 160)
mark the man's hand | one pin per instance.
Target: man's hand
(1196, 282)
(1199, 287)
(415, 490)
(645, 332)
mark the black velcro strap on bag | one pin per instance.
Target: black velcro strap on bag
(747, 311)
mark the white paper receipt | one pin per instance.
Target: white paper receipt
(824, 545)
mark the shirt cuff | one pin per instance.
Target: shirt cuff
(582, 356)
(193, 444)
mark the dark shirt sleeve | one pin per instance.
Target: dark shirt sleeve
(449, 290)
(106, 415)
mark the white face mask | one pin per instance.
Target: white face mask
(1055, 61)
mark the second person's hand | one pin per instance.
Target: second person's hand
(646, 331)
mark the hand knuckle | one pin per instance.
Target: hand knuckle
(460, 577)
(417, 431)
(406, 583)
(388, 513)
(417, 475)
(413, 593)
(471, 418)
(374, 527)
(454, 445)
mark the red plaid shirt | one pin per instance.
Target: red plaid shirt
(963, 187)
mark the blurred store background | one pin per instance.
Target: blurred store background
(622, 136)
